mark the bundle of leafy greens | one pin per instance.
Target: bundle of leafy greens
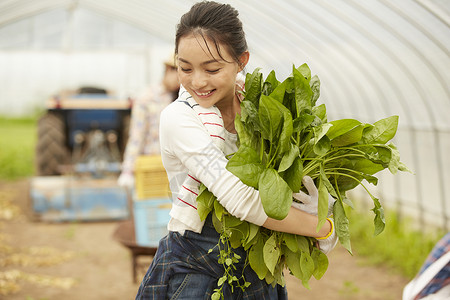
(284, 136)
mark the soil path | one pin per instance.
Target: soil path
(82, 261)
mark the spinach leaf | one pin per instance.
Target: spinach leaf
(271, 253)
(276, 196)
(256, 259)
(246, 165)
(381, 132)
(270, 118)
(253, 83)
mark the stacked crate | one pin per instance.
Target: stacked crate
(151, 200)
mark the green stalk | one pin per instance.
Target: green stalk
(302, 154)
(274, 155)
(352, 177)
(261, 153)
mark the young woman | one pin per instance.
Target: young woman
(196, 133)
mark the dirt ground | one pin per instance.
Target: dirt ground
(82, 261)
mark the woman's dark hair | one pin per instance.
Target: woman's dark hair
(217, 22)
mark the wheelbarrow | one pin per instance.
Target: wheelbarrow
(125, 234)
(148, 224)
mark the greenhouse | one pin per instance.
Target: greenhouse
(374, 59)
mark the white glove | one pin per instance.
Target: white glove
(310, 202)
(326, 244)
(126, 180)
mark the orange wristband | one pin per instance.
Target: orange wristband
(329, 233)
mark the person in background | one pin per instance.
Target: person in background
(197, 132)
(433, 280)
(144, 128)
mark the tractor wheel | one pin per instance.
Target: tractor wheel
(51, 149)
(126, 123)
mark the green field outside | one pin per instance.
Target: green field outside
(17, 141)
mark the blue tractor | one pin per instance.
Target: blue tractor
(81, 141)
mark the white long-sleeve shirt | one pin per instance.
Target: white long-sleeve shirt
(187, 147)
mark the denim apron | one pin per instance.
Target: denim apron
(183, 269)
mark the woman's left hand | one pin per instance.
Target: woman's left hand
(326, 244)
(309, 202)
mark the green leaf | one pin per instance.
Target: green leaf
(341, 127)
(302, 122)
(291, 241)
(270, 84)
(278, 92)
(256, 259)
(231, 221)
(270, 118)
(307, 266)
(305, 71)
(216, 296)
(323, 204)
(394, 163)
(345, 132)
(219, 210)
(379, 220)
(293, 263)
(341, 225)
(228, 261)
(294, 174)
(320, 112)
(381, 132)
(205, 202)
(286, 131)
(253, 86)
(216, 223)
(253, 231)
(365, 166)
(276, 196)
(249, 113)
(303, 93)
(278, 274)
(246, 165)
(270, 279)
(246, 133)
(321, 131)
(271, 253)
(221, 280)
(288, 158)
(315, 88)
(320, 263)
(327, 183)
(303, 243)
(322, 146)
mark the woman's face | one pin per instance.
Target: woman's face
(209, 78)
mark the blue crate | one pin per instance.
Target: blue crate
(151, 217)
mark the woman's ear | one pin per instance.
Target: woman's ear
(243, 60)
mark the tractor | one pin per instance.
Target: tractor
(81, 140)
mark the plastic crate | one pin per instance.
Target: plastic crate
(151, 178)
(151, 217)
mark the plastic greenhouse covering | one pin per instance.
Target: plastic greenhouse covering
(375, 58)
